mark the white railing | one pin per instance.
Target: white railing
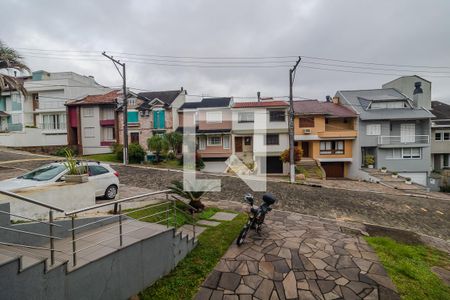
(404, 139)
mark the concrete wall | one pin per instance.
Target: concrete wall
(32, 137)
(439, 146)
(63, 195)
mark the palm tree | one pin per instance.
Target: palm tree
(157, 144)
(193, 196)
(10, 58)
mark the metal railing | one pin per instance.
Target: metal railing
(162, 212)
(404, 139)
(51, 225)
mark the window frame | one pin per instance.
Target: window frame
(228, 139)
(277, 115)
(336, 147)
(272, 143)
(246, 120)
(217, 120)
(374, 125)
(88, 111)
(310, 124)
(209, 138)
(405, 153)
(85, 133)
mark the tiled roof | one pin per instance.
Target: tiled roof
(108, 98)
(165, 96)
(315, 107)
(207, 103)
(274, 103)
(440, 109)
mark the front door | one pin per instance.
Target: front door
(305, 148)
(407, 133)
(238, 144)
(134, 137)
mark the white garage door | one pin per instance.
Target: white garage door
(419, 178)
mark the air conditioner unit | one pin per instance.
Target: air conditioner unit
(307, 130)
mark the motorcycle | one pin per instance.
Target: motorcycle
(255, 215)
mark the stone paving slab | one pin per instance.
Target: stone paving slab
(299, 257)
(223, 216)
(208, 223)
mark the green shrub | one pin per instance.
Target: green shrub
(445, 188)
(118, 150)
(136, 153)
(62, 151)
(171, 155)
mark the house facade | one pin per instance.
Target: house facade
(151, 113)
(39, 119)
(92, 123)
(260, 134)
(212, 120)
(440, 135)
(393, 129)
(325, 132)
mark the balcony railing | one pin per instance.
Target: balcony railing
(403, 140)
(11, 127)
(53, 126)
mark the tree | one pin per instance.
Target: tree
(193, 196)
(175, 139)
(157, 144)
(10, 58)
(284, 157)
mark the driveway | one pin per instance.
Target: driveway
(299, 257)
(215, 166)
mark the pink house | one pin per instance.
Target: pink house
(212, 119)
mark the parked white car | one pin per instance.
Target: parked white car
(105, 178)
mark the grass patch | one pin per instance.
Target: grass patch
(107, 157)
(409, 267)
(183, 282)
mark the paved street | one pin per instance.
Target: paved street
(299, 257)
(428, 216)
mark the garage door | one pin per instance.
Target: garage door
(419, 178)
(274, 165)
(334, 169)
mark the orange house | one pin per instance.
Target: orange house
(325, 132)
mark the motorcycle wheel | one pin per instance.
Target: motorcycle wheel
(242, 235)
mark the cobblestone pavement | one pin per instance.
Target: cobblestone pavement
(427, 216)
(299, 257)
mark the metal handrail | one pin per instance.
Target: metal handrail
(26, 199)
(30, 233)
(74, 212)
(30, 219)
(30, 247)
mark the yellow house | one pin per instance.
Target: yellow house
(325, 132)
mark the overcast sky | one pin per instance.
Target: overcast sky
(415, 33)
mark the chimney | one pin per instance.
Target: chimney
(418, 94)
(182, 89)
(258, 94)
(335, 100)
(328, 98)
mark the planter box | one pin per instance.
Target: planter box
(408, 182)
(76, 178)
(383, 170)
(394, 176)
(370, 166)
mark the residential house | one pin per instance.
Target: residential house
(92, 123)
(440, 135)
(325, 131)
(151, 113)
(260, 133)
(39, 119)
(392, 128)
(407, 85)
(212, 119)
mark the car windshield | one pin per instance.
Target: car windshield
(44, 173)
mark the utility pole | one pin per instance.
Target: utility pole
(124, 105)
(291, 122)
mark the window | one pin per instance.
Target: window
(247, 140)
(89, 132)
(54, 122)
(246, 117)
(214, 141)
(213, 117)
(88, 111)
(388, 104)
(202, 143)
(108, 133)
(446, 161)
(108, 114)
(373, 129)
(159, 119)
(44, 173)
(277, 115)
(446, 136)
(332, 147)
(226, 142)
(272, 139)
(134, 137)
(405, 153)
(132, 117)
(306, 122)
(437, 136)
(97, 170)
(442, 136)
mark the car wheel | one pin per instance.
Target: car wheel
(111, 192)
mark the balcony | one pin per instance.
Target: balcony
(344, 133)
(388, 140)
(110, 122)
(11, 127)
(53, 127)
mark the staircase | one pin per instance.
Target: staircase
(311, 168)
(396, 183)
(109, 257)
